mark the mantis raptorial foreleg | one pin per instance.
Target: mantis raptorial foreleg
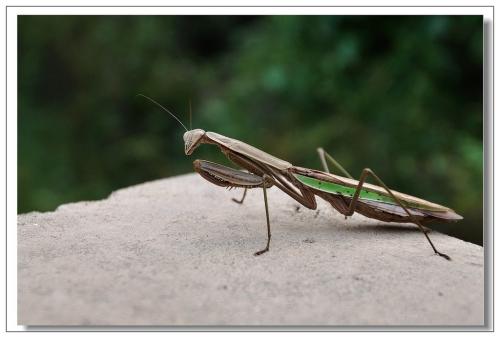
(229, 177)
(323, 155)
(355, 199)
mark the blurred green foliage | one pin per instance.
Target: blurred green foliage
(401, 95)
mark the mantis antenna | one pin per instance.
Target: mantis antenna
(190, 116)
(165, 109)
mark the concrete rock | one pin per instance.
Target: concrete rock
(177, 251)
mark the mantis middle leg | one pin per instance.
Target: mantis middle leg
(282, 180)
(355, 199)
(267, 219)
(242, 198)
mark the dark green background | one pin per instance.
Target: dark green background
(401, 95)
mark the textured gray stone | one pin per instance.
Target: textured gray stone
(178, 252)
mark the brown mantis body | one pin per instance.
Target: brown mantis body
(345, 194)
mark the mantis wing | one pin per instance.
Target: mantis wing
(346, 187)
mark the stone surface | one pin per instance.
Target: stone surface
(178, 252)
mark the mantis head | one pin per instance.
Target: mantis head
(192, 139)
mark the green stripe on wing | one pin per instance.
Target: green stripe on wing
(337, 189)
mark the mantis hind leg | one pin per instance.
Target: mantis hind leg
(355, 199)
(323, 156)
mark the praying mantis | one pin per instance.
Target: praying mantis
(343, 192)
